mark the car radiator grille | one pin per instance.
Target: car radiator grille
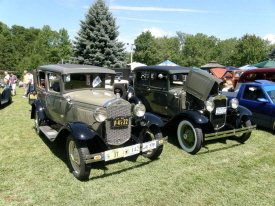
(218, 120)
(120, 135)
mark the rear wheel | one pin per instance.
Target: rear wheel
(76, 155)
(245, 122)
(190, 136)
(37, 124)
(153, 133)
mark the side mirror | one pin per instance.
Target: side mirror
(264, 100)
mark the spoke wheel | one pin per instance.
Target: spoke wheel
(190, 136)
(245, 122)
(76, 155)
(153, 133)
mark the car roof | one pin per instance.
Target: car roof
(75, 68)
(168, 69)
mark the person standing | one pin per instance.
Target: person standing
(30, 80)
(6, 78)
(13, 80)
(25, 82)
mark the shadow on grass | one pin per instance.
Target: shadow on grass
(3, 106)
(58, 148)
(103, 166)
(171, 132)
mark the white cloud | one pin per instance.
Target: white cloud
(157, 32)
(270, 37)
(149, 20)
(154, 9)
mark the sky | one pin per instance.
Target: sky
(223, 19)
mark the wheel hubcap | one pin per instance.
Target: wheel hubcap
(74, 156)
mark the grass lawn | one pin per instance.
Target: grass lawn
(34, 171)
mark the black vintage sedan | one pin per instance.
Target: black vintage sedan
(5, 94)
(191, 100)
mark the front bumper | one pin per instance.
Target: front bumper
(229, 133)
(124, 151)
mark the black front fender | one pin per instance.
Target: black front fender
(135, 99)
(244, 111)
(195, 116)
(80, 131)
(153, 120)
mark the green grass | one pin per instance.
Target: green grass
(34, 171)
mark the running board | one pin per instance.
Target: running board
(49, 132)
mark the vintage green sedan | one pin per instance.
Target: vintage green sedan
(77, 102)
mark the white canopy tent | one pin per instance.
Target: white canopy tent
(135, 64)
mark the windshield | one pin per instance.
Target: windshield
(87, 81)
(271, 92)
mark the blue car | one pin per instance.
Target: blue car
(259, 98)
(5, 94)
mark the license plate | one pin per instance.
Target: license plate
(220, 110)
(114, 154)
(31, 96)
(149, 145)
(131, 150)
(120, 122)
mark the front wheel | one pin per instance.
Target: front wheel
(190, 136)
(153, 133)
(76, 155)
(245, 122)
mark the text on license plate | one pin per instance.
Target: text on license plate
(120, 122)
(122, 152)
(129, 151)
(220, 110)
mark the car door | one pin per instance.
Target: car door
(262, 111)
(53, 98)
(40, 87)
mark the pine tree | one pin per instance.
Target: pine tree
(96, 43)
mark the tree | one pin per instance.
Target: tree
(146, 49)
(96, 43)
(225, 50)
(249, 50)
(271, 55)
(198, 50)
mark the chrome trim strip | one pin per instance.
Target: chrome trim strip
(229, 133)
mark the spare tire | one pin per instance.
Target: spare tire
(119, 88)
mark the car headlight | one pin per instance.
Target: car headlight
(139, 110)
(209, 105)
(234, 103)
(100, 114)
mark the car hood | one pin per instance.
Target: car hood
(93, 97)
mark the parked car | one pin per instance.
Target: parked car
(259, 98)
(229, 77)
(190, 99)
(256, 74)
(74, 102)
(5, 94)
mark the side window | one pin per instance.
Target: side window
(158, 80)
(254, 76)
(41, 80)
(177, 79)
(54, 82)
(143, 78)
(270, 76)
(253, 93)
